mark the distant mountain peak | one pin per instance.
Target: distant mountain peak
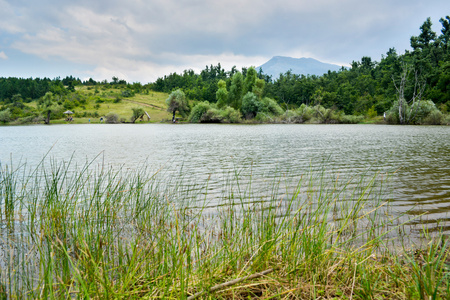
(302, 66)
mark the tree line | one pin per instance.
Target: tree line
(366, 88)
(406, 88)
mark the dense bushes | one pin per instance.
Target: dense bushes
(420, 112)
(268, 111)
(204, 112)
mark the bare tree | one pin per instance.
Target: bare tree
(414, 103)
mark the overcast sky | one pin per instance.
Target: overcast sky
(141, 40)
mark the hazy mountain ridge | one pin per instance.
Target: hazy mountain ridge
(306, 66)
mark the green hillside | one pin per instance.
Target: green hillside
(88, 104)
(104, 100)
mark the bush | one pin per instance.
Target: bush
(198, 111)
(30, 119)
(212, 115)
(230, 115)
(327, 115)
(204, 112)
(5, 115)
(305, 112)
(434, 118)
(372, 113)
(446, 120)
(351, 119)
(127, 93)
(250, 105)
(264, 117)
(292, 116)
(271, 107)
(420, 112)
(112, 118)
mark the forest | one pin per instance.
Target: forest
(409, 88)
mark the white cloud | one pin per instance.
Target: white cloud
(142, 40)
(3, 55)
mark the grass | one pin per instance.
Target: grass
(152, 102)
(93, 232)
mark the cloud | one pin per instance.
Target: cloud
(3, 55)
(146, 39)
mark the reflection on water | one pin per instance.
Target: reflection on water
(419, 156)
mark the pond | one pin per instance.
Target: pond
(417, 157)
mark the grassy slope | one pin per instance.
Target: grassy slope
(153, 103)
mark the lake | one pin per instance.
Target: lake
(417, 157)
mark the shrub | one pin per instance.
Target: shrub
(351, 119)
(68, 104)
(127, 93)
(292, 116)
(434, 118)
(230, 115)
(305, 112)
(372, 113)
(327, 115)
(212, 115)
(271, 107)
(112, 118)
(420, 112)
(250, 105)
(198, 111)
(446, 120)
(264, 117)
(5, 115)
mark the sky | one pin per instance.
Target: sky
(141, 40)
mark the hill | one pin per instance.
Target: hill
(301, 66)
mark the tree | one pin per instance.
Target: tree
(405, 114)
(250, 105)
(177, 102)
(258, 88)
(138, 112)
(250, 79)
(425, 38)
(236, 90)
(222, 94)
(445, 36)
(48, 106)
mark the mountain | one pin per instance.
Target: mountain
(301, 66)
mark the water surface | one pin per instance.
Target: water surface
(417, 156)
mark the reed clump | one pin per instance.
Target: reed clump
(70, 232)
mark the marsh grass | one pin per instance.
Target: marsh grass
(96, 232)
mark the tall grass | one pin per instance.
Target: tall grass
(93, 232)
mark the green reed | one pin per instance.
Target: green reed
(96, 232)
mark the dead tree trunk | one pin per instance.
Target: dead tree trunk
(403, 104)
